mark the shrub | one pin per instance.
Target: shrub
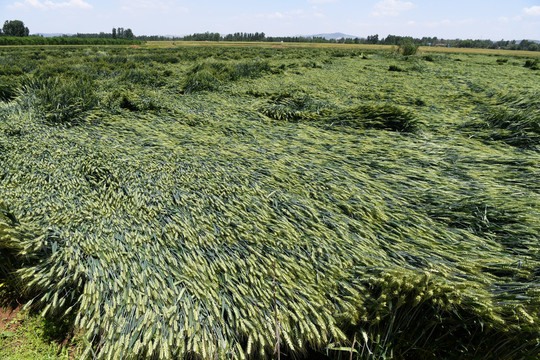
(408, 48)
(395, 68)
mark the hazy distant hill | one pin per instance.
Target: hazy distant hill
(334, 36)
(52, 35)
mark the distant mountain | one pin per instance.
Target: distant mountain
(334, 36)
(51, 35)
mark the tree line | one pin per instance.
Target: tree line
(13, 30)
(116, 33)
(15, 33)
(371, 39)
(63, 40)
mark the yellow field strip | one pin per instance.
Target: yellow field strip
(165, 44)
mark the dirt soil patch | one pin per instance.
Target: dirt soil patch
(8, 319)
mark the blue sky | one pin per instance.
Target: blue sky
(477, 19)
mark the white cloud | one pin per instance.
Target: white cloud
(276, 15)
(148, 5)
(144, 4)
(51, 5)
(532, 11)
(292, 14)
(391, 7)
(444, 22)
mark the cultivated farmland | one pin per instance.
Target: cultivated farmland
(215, 202)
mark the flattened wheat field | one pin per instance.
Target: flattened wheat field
(208, 202)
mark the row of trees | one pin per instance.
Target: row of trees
(371, 39)
(502, 44)
(239, 36)
(117, 33)
(434, 41)
(16, 28)
(62, 40)
(15, 33)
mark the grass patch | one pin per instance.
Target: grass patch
(30, 337)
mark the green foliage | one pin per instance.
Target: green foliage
(210, 75)
(8, 88)
(31, 340)
(297, 107)
(395, 68)
(201, 80)
(514, 119)
(408, 48)
(144, 77)
(136, 102)
(15, 28)
(38, 40)
(375, 116)
(10, 246)
(59, 100)
(425, 310)
(10, 70)
(532, 64)
(293, 107)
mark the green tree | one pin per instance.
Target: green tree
(128, 34)
(408, 48)
(373, 39)
(114, 33)
(533, 47)
(15, 28)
